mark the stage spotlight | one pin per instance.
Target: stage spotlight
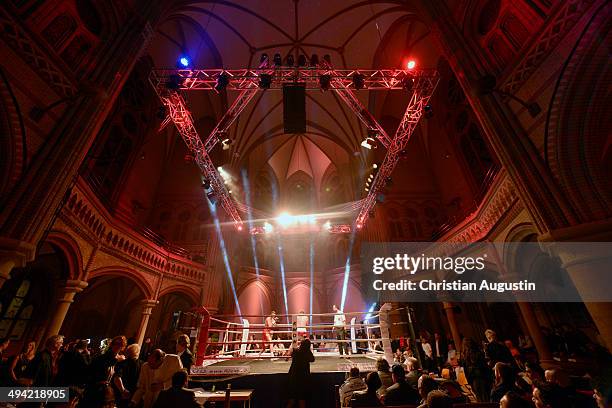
(366, 189)
(265, 81)
(226, 143)
(222, 82)
(268, 228)
(285, 219)
(327, 58)
(290, 60)
(359, 225)
(375, 166)
(388, 181)
(408, 83)
(358, 81)
(411, 64)
(302, 60)
(184, 61)
(327, 226)
(174, 82)
(369, 143)
(206, 184)
(324, 82)
(314, 60)
(263, 58)
(428, 111)
(278, 61)
(239, 227)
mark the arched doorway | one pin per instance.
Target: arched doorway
(109, 306)
(170, 318)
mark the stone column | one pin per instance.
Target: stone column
(450, 315)
(71, 288)
(581, 261)
(530, 319)
(147, 309)
(547, 205)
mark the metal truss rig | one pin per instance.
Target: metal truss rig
(170, 86)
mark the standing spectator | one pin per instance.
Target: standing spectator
(368, 398)
(182, 350)
(477, 372)
(299, 374)
(428, 360)
(155, 376)
(496, 352)
(400, 393)
(99, 392)
(383, 370)
(43, 368)
(340, 329)
(440, 351)
(125, 380)
(177, 395)
(147, 347)
(504, 381)
(352, 384)
(73, 367)
(18, 364)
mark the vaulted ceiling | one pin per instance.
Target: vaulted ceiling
(356, 34)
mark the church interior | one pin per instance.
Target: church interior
(124, 211)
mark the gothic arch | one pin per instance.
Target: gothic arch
(121, 271)
(71, 251)
(188, 291)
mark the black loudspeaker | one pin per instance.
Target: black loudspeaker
(294, 108)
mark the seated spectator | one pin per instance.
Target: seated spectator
(438, 399)
(504, 381)
(382, 367)
(367, 398)
(513, 400)
(602, 391)
(425, 386)
(177, 395)
(534, 373)
(547, 395)
(400, 393)
(352, 384)
(414, 372)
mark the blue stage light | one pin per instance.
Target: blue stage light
(184, 61)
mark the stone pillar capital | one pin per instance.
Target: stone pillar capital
(71, 288)
(14, 253)
(148, 305)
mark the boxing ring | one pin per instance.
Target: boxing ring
(246, 341)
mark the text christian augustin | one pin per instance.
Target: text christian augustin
(413, 264)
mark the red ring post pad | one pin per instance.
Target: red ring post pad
(487, 272)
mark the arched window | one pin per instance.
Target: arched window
(17, 313)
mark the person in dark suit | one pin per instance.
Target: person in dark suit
(182, 350)
(400, 393)
(440, 351)
(177, 395)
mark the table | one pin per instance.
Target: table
(219, 396)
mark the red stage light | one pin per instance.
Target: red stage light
(411, 64)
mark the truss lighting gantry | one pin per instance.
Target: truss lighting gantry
(171, 84)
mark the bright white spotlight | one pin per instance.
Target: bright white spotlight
(268, 228)
(411, 64)
(375, 166)
(368, 143)
(327, 226)
(285, 219)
